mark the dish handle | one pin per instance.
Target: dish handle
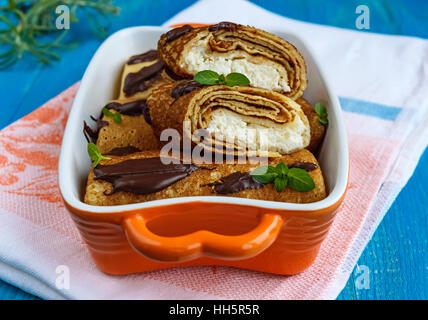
(201, 243)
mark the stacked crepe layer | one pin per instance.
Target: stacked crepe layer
(235, 120)
(267, 60)
(200, 183)
(134, 129)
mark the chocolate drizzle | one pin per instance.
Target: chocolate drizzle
(140, 81)
(228, 26)
(307, 166)
(184, 88)
(172, 74)
(235, 182)
(122, 151)
(90, 134)
(150, 55)
(143, 176)
(133, 108)
(176, 33)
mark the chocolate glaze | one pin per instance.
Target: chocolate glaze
(228, 26)
(139, 81)
(184, 88)
(178, 32)
(172, 74)
(143, 57)
(143, 176)
(133, 108)
(122, 151)
(308, 166)
(235, 182)
(90, 134)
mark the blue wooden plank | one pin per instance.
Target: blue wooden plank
(396, 256)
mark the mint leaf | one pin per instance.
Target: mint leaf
(115, 115)
(206, 77)
(300, 180)
(95, 154)
(211, 77)
(280, 183)
(321, 112)
(235, 79)
(282, 169)
(281, 176)
(221, 79)
(264, 174)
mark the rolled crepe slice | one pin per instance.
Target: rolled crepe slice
(267, 60)
(133, 131)
(235, 120)
(141, 177)
(141, 74)
(317, 128)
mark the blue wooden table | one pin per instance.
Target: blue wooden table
(396, 256)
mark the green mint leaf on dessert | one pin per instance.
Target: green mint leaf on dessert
(280, 183)
(264, 174)
(321, 112)
(282, 169)
(210, 77)
(281, 176)
(95, 154)
(237, 79)
(115, 115)
(300, 180)
(207, 77)
(221, 79)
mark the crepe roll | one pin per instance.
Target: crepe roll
(134, 130)
(141, 74)
(140, 177)
(233, 120)
(317, 128)
(267, 60)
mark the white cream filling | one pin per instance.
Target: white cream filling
(281, 138)
(261, 72)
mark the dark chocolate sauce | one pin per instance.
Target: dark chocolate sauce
(133, 108)
(150, 55)
(173, 75)
(143, 176)
(308, 166)
(138, 81)
(184, 88)
(235, 182)
(122, 151)
(228, 26)
(176, 33)
(90, 134)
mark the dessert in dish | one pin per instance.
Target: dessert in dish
(252, 108)
(267, 60)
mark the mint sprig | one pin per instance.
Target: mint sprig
(95, 154)
(210, 77)
(115, 115)
(281, 176)
(321, 112)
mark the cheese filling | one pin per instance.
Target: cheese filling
(281, 138)
(263, 73)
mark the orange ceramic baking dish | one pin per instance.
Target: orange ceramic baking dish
(275, 237)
